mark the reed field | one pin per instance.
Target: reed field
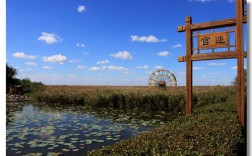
(213, 129)
(129, 97)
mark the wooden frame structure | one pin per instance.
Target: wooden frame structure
(207, 51)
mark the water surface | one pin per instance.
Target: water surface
(42, 129)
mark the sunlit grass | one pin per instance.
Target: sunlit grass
(128, 98)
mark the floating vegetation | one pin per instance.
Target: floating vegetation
(40, 128)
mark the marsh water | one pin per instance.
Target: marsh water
(43, 129)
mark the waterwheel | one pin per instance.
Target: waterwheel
(162, 76)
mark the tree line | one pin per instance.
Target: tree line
(28, 85)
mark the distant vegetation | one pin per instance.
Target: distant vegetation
(235, 82)
(28, 85)
(128, 98)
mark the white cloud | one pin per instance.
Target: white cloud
(126, 72)
(74, 61)
(158, 67)
(120, 68)
(214, 73)
(94, 68)
(31, 63)
(122, 55)
(102, 62)
(86, 53)
(112, 68)
(49, 38)
(23, 55)
(177, 46)
(216, 64)
(235, 67)
(55, 58)
(198, 68)
(143, 67)
(82, 45)
(81, 8)
(81, 67)
(47, 67)
(202, 1)
(231, 1)
(163, 53)
(150, 38)
(71, 75)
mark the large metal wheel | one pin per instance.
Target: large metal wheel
(162, 75)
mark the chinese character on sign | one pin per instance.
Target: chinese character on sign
(219, 39)
(213, 40)
(205, 40)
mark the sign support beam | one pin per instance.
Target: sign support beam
(188, 66)
(240, 60)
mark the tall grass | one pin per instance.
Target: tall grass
(129, 98)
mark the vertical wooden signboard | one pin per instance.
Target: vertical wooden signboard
(212, 41)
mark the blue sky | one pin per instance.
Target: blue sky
(109, 42)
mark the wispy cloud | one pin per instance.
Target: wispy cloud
(235, 67)
(47, 67)
(143, 67)
(55, 58)
(94, 68)
(216, 64)
(119, 68)
(127, 72)
(202, 1)
(159, 67)
(31, 63)
(49, 38)
(82, 45)
(74, 61)
(199, 68)
(214, 73)
(122, 55)
(231, 1)
(81, 67)
(23, 55)
(150, 38)
(71, 75)
(177, 46)
(163, 53)
(102, 62)
(81, 8)
(86, 53)
(111, 67)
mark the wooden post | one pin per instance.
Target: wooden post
(188, 66)
(240, 60)
(238, 107)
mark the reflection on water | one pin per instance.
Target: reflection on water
(41, 129)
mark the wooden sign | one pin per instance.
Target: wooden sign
(213, 40)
